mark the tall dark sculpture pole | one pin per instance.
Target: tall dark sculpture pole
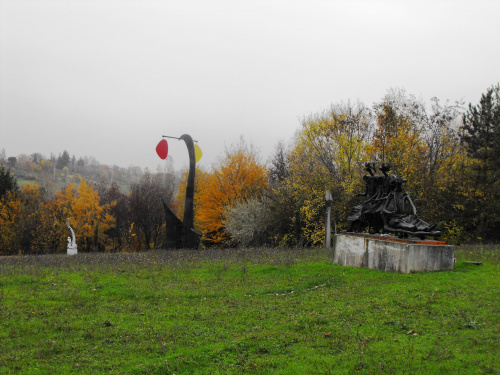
(182, 234)
(188, 202)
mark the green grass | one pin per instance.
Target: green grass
(245, 311)
(25, 182)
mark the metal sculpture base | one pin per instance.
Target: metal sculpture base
(177, 234)
(181, 234)
(389, 253)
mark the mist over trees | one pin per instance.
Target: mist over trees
(448, 153)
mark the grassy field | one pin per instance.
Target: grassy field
(246, 311)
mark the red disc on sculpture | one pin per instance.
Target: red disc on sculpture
(162, 149)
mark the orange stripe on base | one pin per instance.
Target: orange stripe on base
(395, 239)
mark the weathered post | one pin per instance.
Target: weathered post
(328, 228)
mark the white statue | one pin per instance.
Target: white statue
(72, 248)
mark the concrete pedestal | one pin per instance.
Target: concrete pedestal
(387, 253)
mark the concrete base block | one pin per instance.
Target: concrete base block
(387, 253)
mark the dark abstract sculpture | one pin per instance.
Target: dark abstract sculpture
(388, 209)
(181, 235)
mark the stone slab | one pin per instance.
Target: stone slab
(387, 253)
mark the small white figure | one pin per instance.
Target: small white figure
(72, 248)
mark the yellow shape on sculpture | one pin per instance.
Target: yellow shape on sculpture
(197, 153)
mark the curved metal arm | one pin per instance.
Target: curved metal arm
(189, 200)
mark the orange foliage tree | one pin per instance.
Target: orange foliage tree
(239, 176)
(10, 213)
(27, 224)
(88, 218)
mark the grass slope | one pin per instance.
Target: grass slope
(252, 311)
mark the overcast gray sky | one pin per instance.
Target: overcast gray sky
(108, 78)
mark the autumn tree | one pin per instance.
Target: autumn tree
(238, 176)
(111, 195)
(89, 219)
(10, 214)
(417, 143)
(397, 138)
(52, 231)
(440, 135)
(439, 157)
(30, 222)
(284, 227)
(145, 206)
(421, 144)
(10, 211)
(120, 211)
(329, 153)
(307, 183)
(23, 222)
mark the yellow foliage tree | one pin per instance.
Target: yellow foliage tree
(398, 136)
(421, 145)
(51, 231)
(237, 177)
(88, 218)
(329, 153)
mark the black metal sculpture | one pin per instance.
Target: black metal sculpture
(388, 209)
(181, 235)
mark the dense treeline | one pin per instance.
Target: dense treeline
(103, 217)
(449, 155)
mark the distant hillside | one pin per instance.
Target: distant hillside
(54, 173)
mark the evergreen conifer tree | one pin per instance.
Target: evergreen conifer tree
(481, 137)
(7, 181)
